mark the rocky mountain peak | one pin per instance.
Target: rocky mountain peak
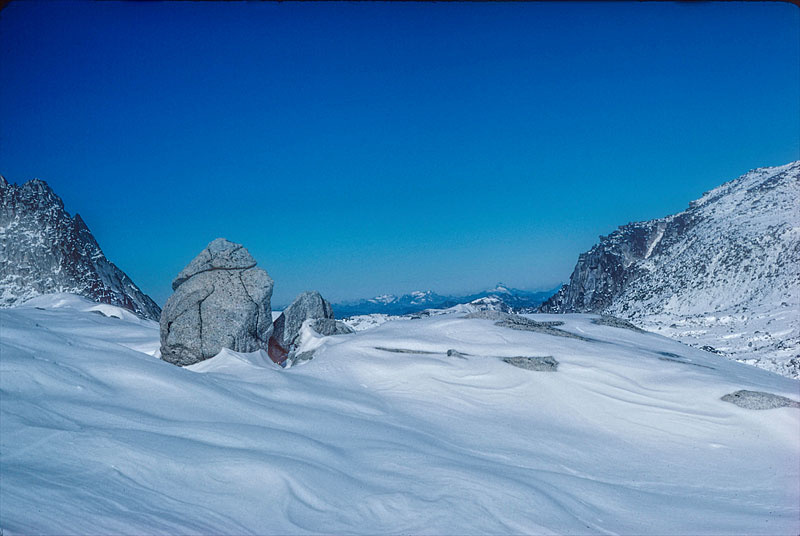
(45, 250)
(37, 193)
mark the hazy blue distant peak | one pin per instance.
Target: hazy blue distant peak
(514, 299)
(500, 287)
(384, 299)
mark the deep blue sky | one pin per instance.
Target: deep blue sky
(362, 148)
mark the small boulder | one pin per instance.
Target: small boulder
(309, 305)
(221, 300)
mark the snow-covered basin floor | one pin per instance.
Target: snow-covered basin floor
(98, 436)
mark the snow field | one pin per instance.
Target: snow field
(629, 436)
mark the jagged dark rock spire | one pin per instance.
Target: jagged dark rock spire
(44, 250)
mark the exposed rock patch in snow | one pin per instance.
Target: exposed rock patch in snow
(525, 324)
(677, 359)
(403, 350)
(614, 322)
(538, 364)
(759, 400)
(518, 322)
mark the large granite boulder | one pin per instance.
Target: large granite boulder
(288, 326)
(221, 300)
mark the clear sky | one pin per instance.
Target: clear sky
(363, 148)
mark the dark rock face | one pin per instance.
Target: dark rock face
(44, 250)
(723, 274)
(221, 300)
(603, 273)
(286, 334)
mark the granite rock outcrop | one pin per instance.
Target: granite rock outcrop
(221, 300)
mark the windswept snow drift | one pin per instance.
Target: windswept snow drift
(629, 435)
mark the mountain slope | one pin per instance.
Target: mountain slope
(44, 250)
(724, 274)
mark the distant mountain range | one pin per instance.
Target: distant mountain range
(501, 297)
(723, 275)
(45, 250)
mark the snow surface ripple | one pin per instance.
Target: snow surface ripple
(97, 435)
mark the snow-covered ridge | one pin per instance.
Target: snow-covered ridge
(723, 274)
(384, 432)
